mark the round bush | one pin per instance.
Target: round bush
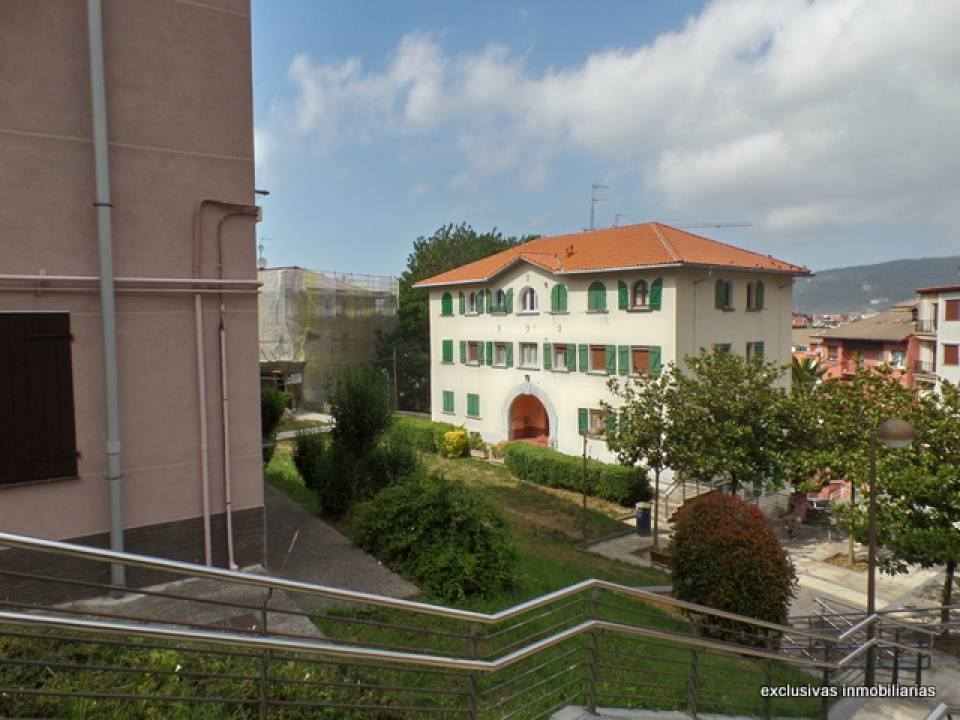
(725, 554)
(446, 537)
(456, 444)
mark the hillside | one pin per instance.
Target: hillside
(869, 288)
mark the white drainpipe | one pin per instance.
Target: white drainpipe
(101, 157)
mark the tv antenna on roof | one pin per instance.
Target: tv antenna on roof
(594, 199)
(715, 225)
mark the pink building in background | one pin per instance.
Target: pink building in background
(180, 130)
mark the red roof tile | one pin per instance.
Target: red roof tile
(649, 244)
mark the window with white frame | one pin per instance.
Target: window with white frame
(500, 354)
(472, 302)
(640, 294)
(898, 358)
(473, 352)
(560, 357)
(501, 301)
(528, 300)
(528, 355)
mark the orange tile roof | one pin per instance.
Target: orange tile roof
(649, 244)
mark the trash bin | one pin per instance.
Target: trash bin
(643, 518)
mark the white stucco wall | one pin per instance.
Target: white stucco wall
(687, 320)
(948, 333)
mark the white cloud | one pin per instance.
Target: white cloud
(798, 114)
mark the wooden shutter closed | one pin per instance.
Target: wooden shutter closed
(655, 360)
(463, 303)
(950, 355)
(446, 304)
(758, 298)
(951, 310)
(623, 295)
(509, 307)
(611, 359)
(571, 357)
(463, 352)
(656, 294)
(583, 420)
(509, 354)
(489, 354)
(37, 426)
(584, 358)
(623, 359)
(547, 356)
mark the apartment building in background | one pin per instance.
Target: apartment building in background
(938, 336)
(179, 130)
(523, 342)
(881, 339)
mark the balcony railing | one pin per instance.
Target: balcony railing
(925, 367)
(926, 326)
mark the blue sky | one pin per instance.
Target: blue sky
(831, 127)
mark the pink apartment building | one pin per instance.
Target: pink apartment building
(172, 467)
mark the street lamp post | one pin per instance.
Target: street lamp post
(894, 433)
(592, 433)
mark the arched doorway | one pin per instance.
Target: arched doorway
(529, 420)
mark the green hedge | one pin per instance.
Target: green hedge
(424, 435)
(543, 466)
(447, 537)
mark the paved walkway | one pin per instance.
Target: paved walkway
(322, 555)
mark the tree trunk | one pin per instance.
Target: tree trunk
(947, 595)
(656, 508)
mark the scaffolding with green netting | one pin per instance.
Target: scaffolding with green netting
(314, 323)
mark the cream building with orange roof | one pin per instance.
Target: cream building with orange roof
(522, 342)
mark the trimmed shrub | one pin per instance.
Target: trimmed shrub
(389, 463)
(308, 450)
(725, 554)
(424, 435)
(445, 536)
(543, 466)
(455, 444)
(272, 404)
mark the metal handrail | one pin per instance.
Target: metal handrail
(944, 711)
(326, 649)
(880, 614)
(295, 586)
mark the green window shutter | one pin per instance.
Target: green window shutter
(718, 295)
(623, 295)
(656, 294)
(480, 353)
(758, 350)
(583, 420)
(489, 354)
(555, 298)
(656, 363)
(584, 358)
(448, 401)
(448, 351)
(611, 359)
(547, 356)
(463, 303)
(446, 304)
(509, 307)
(489, 303)
(571, 357)
(463, 352)
(758, 298)
(597, 297)
(563, 298)
(480, 295)
(609, 422)
(473, 405)
(623, 359)
(509, 354)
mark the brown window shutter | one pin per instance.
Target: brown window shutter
(950, 354)
(39, 435)
(952, 310)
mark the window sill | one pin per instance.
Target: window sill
(528, 312)
(471, 314)
(599, 372)
(527, 367)
(640, 309)
(597, 312)
(447, 362)
(559, 312)
(447, 412)
(498, 312)
(41, 481)
(753, 309)
(726, 309)
(446, 314)
(472, 364)
(473, 417)
(565, 371)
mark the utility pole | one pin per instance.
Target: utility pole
(594, 199)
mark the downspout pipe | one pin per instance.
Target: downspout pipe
(101, 157)
(240, 209)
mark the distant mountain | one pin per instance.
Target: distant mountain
(870, 288)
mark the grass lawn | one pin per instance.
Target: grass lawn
(546, 527)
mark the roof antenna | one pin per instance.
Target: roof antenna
(594, 199)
